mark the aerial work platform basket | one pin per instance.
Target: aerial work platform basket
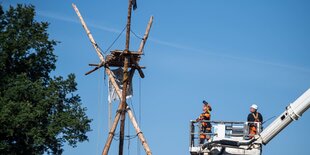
(226, 132)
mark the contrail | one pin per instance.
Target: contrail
(75, 20)
(171, 44)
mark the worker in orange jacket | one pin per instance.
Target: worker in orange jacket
(254, 116)
(205, 126)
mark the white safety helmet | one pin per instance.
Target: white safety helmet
(254, 106)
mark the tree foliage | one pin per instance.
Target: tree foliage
(38, 113)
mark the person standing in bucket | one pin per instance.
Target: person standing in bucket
(254, 116)
(205, 127)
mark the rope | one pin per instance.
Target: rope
(140, 101)
(126, 137)
(128, 147)
(268, 119)
(136, 35)
(132, 107)
(98, 112)
(115, 40)
(105, 77)
(101, 49)
(138, 145)
(116, 135)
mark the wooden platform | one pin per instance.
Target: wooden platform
(116, 58)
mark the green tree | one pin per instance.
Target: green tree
(38, 113)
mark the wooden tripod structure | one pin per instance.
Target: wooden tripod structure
(126, 59)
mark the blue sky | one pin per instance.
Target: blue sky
(231, 53)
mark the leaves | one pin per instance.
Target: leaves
(38, 113)
(26, 44)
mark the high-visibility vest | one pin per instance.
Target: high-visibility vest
(205, 116)
(256, 119)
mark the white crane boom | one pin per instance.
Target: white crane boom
(292, 112)
(232, 138)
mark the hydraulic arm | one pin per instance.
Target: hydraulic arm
(291, 113)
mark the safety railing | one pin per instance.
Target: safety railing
(222, 130)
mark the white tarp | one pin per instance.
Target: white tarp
(118, 75)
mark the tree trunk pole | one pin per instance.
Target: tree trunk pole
(125, 79)
(117, 116)
(123, 105)
(128, 25)
(139, 132)
(146, 35)
(90, 36)
(111, 134)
